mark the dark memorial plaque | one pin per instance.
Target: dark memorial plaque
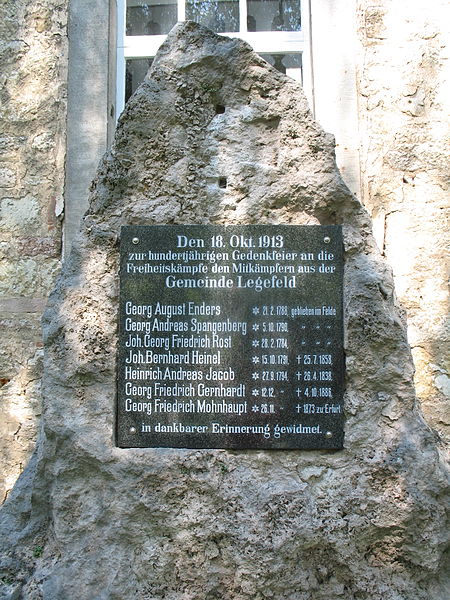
(231, 337)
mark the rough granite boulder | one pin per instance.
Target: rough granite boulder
(88, 520)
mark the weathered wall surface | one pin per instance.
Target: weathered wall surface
(89, 520)
(403, 78)
(32, 145)
(404, 89)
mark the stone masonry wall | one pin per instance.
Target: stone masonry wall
(33, 60)
(404, 90)
(403, 86)
(89, 520)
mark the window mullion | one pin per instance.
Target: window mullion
(181, 10)
(121, 22)
(242, 16)
(120, 57)
(308, 78)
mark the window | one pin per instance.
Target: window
(278, 30)
(94, 99)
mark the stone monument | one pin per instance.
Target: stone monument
(215, 136)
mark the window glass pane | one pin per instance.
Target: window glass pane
(150, 17)
(218, 15)
(273, 15)
(136, 70)
(289, 64)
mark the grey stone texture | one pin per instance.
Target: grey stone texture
(87, 520)
(91, 117)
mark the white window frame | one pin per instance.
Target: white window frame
(263, 42)
(94, 55)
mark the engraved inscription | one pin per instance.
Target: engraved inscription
(231, 337)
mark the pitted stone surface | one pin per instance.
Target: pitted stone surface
(406, 174)
(88, 520)
(33, 70)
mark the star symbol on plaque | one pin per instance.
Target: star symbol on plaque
(255, 343)
(255, 375)
(255, 360)
(255, 408)
(255, 310)
(255, 392)
(256, 327)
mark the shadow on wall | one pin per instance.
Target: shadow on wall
(20, 402)
(32, 150)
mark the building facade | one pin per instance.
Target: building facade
(376, 75)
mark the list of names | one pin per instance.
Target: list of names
(230, 337)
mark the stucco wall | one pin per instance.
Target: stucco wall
(404, 91)
(33, 60)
